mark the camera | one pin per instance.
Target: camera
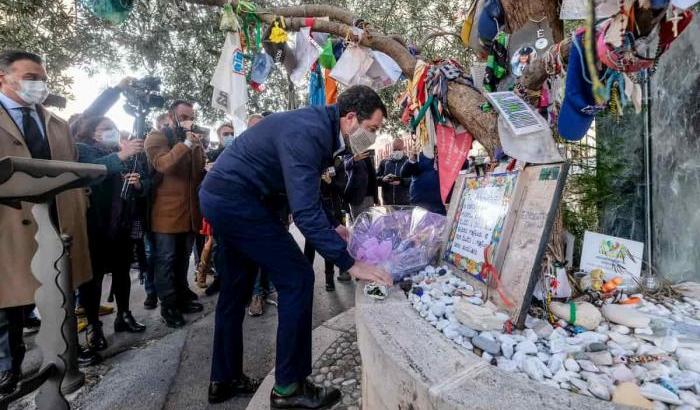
(143, 95)
(181, 133)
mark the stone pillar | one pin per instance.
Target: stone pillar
(675, 122)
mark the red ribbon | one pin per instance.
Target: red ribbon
(489, 271)
(309, 22)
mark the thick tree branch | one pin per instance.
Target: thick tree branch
(441, 33)
(463, 102)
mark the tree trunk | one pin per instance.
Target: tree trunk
(463, 102)
(519, 12)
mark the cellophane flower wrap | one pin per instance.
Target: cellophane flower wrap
(403, 240)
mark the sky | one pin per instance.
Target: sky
(85, 90)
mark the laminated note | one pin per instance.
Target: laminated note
(519, 116)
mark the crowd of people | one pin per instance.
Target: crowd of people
(172, 193)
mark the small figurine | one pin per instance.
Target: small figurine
(597, 279)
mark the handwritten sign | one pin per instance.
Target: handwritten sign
(480, 215)
(514, 212)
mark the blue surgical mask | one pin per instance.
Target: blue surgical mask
(228, 141)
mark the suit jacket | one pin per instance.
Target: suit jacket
(17, 226)
(175, 207)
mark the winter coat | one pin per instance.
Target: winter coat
(425, 184)
(17, 226)
(393, 194)
(179, 171)
(110, 218)
(285, 153)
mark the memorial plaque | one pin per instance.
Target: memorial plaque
(513, 213)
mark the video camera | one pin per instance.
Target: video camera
(143, 95)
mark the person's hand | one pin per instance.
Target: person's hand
(209, 166)
(194, 138)
(125, 82)
(133, 179)
(326, 177)
(130, 148)
(395, 182)
(361, 156)
(342, 230)
(388, 178)
(365, 271)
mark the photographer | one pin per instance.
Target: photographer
(361, 192)
(110, 221)
(177, 156)
(101, 105)
(394, 188)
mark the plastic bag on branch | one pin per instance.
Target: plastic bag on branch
(402, 240)
(114, 11)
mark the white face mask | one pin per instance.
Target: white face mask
(397, 155)
(33, 92)
(110, 138)
(361, 139)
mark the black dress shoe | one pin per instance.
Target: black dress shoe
(125, 322)
(220, 392)
(344, 277)
(151, 302)
(214, 287)
(8, 381)
(307, 396)
(87, 357)
(191, 307)
(172, 317)
(95, 337)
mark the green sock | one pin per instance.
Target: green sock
(285, 390)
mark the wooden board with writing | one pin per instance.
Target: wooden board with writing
(479, 220)
(524, 235)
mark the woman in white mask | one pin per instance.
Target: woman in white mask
(111, 221)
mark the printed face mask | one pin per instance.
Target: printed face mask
(361, 139)
(33, 92)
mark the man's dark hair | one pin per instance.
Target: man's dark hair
(362, 100)
(7, 57)
(178, 103)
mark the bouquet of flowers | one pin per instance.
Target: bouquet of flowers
(403, 240)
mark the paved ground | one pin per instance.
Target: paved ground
(336, 360)
(167, 369)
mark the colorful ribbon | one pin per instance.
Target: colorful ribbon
(489, 273)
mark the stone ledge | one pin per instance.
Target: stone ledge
(406, 363)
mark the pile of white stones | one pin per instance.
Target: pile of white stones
(646, 356)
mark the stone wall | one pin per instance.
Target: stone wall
(620, 162)
(675, 124)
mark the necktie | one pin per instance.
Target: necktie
(38, 147)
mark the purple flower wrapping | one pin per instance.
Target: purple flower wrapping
(402, 240)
